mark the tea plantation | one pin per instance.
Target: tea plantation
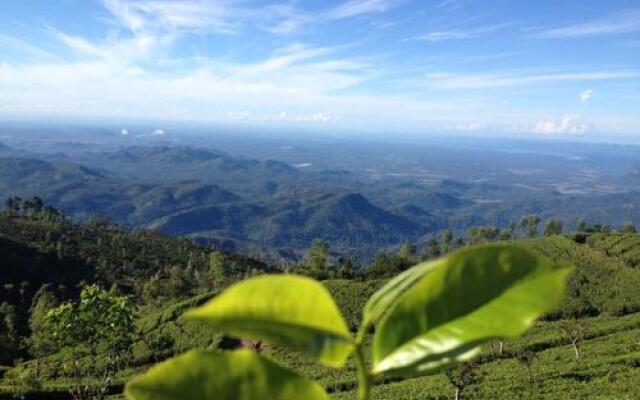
(602, 306)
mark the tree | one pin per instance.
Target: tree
(13, 205)
(159, 343)
(581, 226)
(553, 227)
(433, 248)
(508, 232)
(407, 253)
(385, 266)
(317, 258)
(153, 290)
(628, 227)
(32, 206)
(9, 333)
(575, 331)
(529, 224)
(100, 319)
(483, 234)
(40, 344)
(176, 284)
(217, 268)
(461, 377)
(447, 241)
(526, 357)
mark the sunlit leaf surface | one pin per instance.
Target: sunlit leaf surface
(207, 375)
(451, 307)
(291, 311)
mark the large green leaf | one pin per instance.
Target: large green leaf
(207, 375)
(478, 294)
(288, 310)
(386, 297)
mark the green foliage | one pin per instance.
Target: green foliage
(315, 263)
(601, 282)
(454, 305)
(9, 335)
(461, 377)
(99, 316)
(628, 227)
(241, 375)
(99, 320)
(483, 234)
(291, 311)
(428, 318)
(553, 227)
(529, 225)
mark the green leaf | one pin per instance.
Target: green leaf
(456, 304)
(287, 310)
(206, 375)
(386, 297)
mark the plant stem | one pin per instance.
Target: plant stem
(364, 379)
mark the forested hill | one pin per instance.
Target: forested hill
(44, 248)
(46, 260)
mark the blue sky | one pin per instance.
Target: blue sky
(550, 68)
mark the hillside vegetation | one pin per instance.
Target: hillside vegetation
(165, 276)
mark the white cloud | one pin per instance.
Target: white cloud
(285, 57)
(282, 116)
(439, 36)
(568, 125)
(353, 8)
(124, 132)
(470, 127)
(447, 81)
(16, 45)
(449, 5)
(155, 133)
(624, 22)
(211, 16)
(446, 35)
(228, 17)
(140, 47)
(317, 117)
(587, 95)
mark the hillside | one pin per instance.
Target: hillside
(360, 197)
(280, 217)
(604, 293)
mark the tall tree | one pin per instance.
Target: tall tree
(628, 227)
(581, 226)
(529, 224)
(553, 227)
(408, 253)
(317, 257)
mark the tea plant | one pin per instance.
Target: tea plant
(428, 318)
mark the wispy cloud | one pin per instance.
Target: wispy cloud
(10, 44)
(227, 17)
(587, 95)
(443, 80)
(353, 8)
(285, 57)
(439, 36)
(449, 5)
(623, 22)
(123, 50)
(177, 15)
(568, 125)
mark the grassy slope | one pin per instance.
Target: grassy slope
(604, 283)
